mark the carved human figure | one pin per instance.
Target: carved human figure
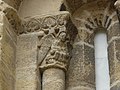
(55, 63)
(58, 55)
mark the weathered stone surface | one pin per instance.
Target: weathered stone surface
(8, 53)
(53, 79)
(12, 16)
(116, 86)
(82, 68)
(114, 51)
(114, 32)
(111, 57)
(89, 16)
(26, 66)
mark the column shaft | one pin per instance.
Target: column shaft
(53, 79)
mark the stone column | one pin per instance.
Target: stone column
(114, 56)
(53, 79)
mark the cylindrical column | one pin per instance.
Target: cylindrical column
(53, 79)
(114, 56)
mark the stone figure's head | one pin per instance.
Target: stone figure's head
(62, 36)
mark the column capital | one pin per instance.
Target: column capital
(46, 24)
(53, 39)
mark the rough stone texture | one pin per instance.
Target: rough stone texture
(116, 86)
(73, 5)
(8, 54)
(89, 16)
(82, 68)
(114, 32)
(39, 7)
(26, 66)
(53, 79)
(114, 63)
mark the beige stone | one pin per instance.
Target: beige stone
(53, 79)
(34, 57)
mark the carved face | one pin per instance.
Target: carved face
(62, 36)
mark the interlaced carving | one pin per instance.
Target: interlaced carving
(58, 55)
(45, 25)
(53, 41)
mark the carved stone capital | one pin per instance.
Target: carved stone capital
(58, 55)
(46, 24)
(53, 40)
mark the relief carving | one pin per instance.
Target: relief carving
(47, 24)
(58, 55)
(53, 41)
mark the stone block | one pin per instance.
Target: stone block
(26, 66)
(26, 78)
(111, 58)
(114, 31)
(89, 61)
(26, 51)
